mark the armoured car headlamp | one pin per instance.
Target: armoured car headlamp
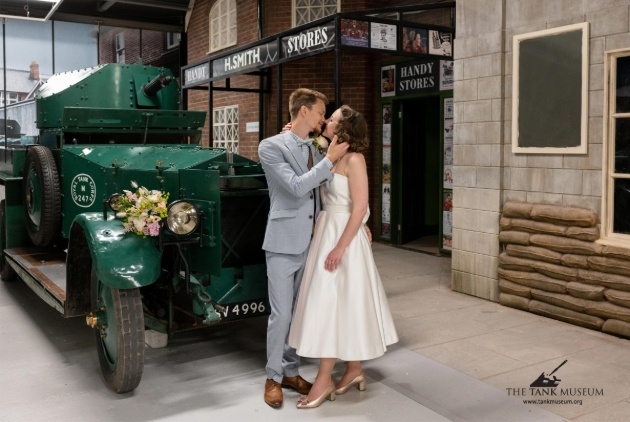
(183, 218)
(114, 202)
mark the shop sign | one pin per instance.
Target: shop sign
(417, 77)
(253, 58)
(197, 74)
(314, 39)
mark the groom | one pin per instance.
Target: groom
(287, 159)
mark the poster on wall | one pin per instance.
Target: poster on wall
(355, 32)
(448, 108)
(448, 177)
(440, 43)
(446, 75)
(388, 81)
(447, 219)
(415, 40)
(382, 36)
(448, 130)
(386, 176)
(448, 153)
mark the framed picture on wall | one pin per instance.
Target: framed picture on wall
(552, 65)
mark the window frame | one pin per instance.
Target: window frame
(294, 11)
(609, 176)
(119, 45)
(230, 145)
(10, 97)
(230, 27)
(172, 40)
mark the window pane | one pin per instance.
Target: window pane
(622, 145)
(75, 46)
(623, 85)
(621, 223)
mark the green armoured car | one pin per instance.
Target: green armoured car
(118, 214)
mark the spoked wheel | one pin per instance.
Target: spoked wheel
(7, 273)
(42, 203)
(119, 323)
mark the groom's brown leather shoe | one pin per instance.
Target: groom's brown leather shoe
(297, 383)
(273, 394)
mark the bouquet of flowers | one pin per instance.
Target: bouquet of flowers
(320, 142)
(142, 210)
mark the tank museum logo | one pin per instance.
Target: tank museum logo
(545, 390)
(83, 190)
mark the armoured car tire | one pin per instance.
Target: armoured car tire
(42, 196)
(7, 273)
(119, 335)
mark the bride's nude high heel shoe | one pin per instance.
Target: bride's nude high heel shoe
(304, 403)
(359, 381)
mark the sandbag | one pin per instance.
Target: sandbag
(535, 280)
(575, 261)
(585, 291)
(563, 301)
(511, 236)
(613, 281)
(534, 252)
(556, 271)
(515, 263)
(537, 227)
(565, 244)
(608, 310)
(616, 327)
(618, 297)
(568, 216)
(589, 234)
(609, 265)
(517, 209)
(512, 301)
(508, 287)
(566, 315)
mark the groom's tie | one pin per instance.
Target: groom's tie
(309, 162)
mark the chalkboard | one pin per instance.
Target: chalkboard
(550, 91)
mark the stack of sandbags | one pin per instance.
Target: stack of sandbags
(551, 265)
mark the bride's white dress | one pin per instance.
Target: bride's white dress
(341, 314)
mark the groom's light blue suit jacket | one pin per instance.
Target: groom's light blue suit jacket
(292, 192)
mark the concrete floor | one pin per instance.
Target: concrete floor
(459, 358)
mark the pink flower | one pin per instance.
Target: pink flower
(154, 229)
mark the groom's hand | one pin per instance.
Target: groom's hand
(335, 150)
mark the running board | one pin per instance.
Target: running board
(44, 271)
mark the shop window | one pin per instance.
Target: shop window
(305, 11)
(225, 128)
(120, 48)
(616, 166)
(222, 25)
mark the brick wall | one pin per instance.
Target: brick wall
(357, 78)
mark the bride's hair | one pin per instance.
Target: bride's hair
(352, 128)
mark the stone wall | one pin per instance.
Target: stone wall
(552, 265)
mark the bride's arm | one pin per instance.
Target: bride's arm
(356, 170)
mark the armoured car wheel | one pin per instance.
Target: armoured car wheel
(42, 203)
(7, 273)
(119, 335)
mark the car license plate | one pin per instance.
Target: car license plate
(245, 309)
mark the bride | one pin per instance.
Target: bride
(341, 311)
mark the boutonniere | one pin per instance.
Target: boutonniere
(320, 142)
